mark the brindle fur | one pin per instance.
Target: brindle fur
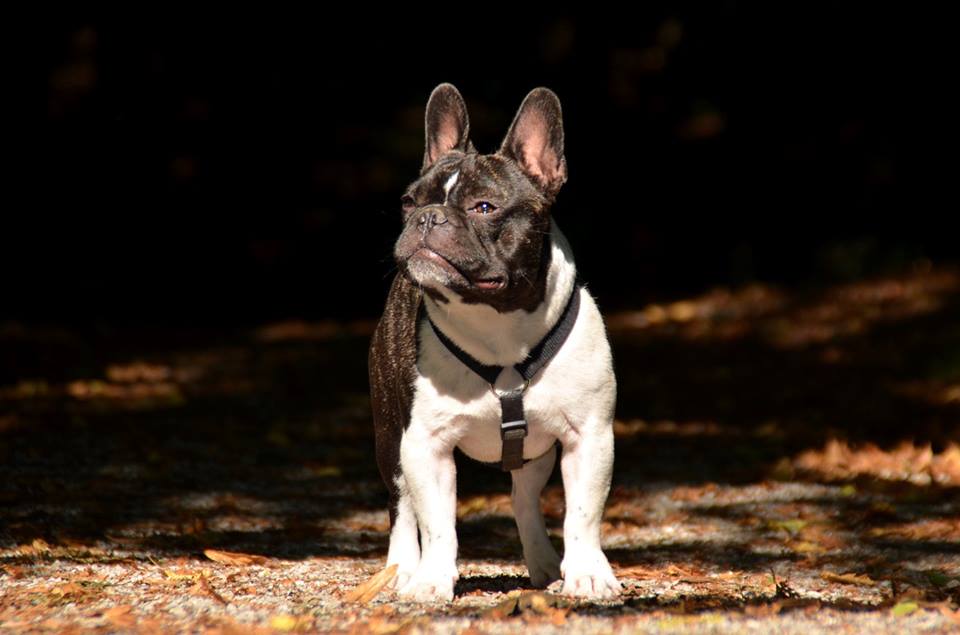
(512, 244)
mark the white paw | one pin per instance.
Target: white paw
(401, 578)
(543, 564)
(589, 576)
(429, 584)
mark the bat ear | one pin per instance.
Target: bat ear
(446, 123)
(535, 140)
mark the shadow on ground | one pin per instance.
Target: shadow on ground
(167, 442)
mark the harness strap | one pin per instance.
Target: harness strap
(513, 426)
(513, 429)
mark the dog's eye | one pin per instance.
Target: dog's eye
(408, 204)
(483, 207)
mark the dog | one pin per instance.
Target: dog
(487, 291)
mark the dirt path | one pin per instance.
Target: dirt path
(747, 497)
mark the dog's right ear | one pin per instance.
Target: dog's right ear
(446, 123)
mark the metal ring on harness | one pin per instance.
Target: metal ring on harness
(499, 394)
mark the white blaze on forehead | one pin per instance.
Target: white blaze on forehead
(451, 181)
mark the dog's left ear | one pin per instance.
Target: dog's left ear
(535, 140)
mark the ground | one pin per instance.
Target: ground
(785, 462)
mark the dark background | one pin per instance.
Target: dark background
(217, 169)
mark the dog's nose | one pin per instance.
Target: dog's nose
(430, 216)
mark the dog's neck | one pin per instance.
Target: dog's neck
(504, 339)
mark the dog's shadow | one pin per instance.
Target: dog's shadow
(492, 584)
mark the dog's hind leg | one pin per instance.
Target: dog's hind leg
(542, 560)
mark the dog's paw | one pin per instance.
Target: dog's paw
(543, 566)
(589, 575)
(401, 578)
(429, 584)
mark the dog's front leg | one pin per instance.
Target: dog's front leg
(431, 476)
(587, 466)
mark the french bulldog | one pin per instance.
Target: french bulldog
(485, 275)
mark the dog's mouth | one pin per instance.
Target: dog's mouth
(494, 283)
(490, 284)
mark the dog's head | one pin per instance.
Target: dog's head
(477, 225)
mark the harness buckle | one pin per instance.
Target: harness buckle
(510, 430)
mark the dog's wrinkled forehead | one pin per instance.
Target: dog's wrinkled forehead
(459, 179)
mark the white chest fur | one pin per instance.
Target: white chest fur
(456, 407)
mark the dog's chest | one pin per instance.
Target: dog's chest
(454, 403)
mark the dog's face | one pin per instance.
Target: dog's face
(475, 225)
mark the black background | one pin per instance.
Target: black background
(195, 169)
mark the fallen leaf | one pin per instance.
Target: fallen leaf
(504, 609)
(472, 506)
(288, 623)
(203, 585)
(539, 602)
(551, 606)
(70, 588)
(535, 603)
(40, 545)
(283, 622)
(559, 617)
(121, 616)
(847, 578)
(805, 546)
(638, 571)
(916, 464)
(368, 590)
(904, 608)
(179, 577)
(233, 557)
(792, 526)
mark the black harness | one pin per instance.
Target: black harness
(513, 426)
